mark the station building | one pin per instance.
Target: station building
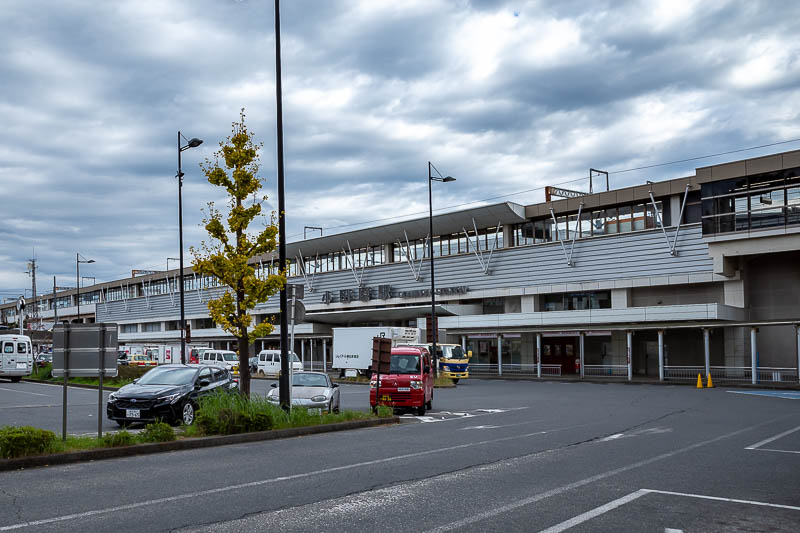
(662, 280)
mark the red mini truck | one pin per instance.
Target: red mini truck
(409, 383)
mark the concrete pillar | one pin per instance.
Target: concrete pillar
(311, 346)
(508, 236)
(620, 298)
(303, 353)
(324, 355)
(661, 355)
(499, 355)
(580, 349)
(797, 332)
(464, 343)
(539, 355)
(707, 350)
(753, 355)
(629, 335)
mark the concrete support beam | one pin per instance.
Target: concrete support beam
(539, 355)
(620, 298)
(754, 355)
(629, 335)
(707, 350)
(324, 355)
(499, 355)
(580, 348)
(797, 345)
(508, 236)
(464, 343)
(530, 303)
(661, 355)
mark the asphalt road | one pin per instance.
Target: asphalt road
(494, 455)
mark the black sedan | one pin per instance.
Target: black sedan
(168, 393)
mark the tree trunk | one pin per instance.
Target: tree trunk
(244, 365)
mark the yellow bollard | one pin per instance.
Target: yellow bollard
(699, 382)
(709, 385)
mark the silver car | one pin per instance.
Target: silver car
(313, 390)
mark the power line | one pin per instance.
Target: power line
(561, 183)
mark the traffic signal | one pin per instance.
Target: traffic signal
(188, 334)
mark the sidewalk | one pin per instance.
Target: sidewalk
(641, 381)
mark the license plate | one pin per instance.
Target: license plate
(22, 366)
(403, 389)
(132, 413)
(386, 398)
(315, 410)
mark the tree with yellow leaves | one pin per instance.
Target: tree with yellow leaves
(229, 256)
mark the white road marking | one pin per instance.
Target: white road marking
(586, 481)
(774, 450)
(262, 482)
(480, 427)
(24, 392)
(776, 437)
(597, 511)
(612, 437)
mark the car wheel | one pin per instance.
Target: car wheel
(455, 381)
(261, 373)
(429, 404)
(121, 423)
(188, 414)
(421, 410)
(15, 379)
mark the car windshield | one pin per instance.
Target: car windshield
(309, 380)
(168, 376)
(452, 352)
(230, 356)
(404, 364)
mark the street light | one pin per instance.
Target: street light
(171, 259)
(78, 262)
(434, 329)
(192, 143)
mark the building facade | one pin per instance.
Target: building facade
(663, 280)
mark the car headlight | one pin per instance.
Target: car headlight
(273, 399)
(171, 398)
(372, 384)
(446, 368)
(112, 397)
(319, 398)
(415, 384)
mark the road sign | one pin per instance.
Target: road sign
(82, 345)
(381, 355)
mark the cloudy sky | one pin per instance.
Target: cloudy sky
(505, 96)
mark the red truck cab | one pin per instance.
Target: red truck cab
(409, 382)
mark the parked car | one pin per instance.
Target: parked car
(122, 358)
(44, 358)
(269, 363)
(142, 360)
(313, 390)
(409, 382)
(169, 393)
(253, 364)
(223, 358)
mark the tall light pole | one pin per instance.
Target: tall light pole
(193, 143)
(284, 375)
(78, 262)
(171, 259)
(434, 329)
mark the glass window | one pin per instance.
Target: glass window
(22, 347)
(638, 217)
(8, 347)
(586, 224)
(598, 223)
(625, 223)
(612, 225)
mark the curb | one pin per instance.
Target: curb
(185, 444)
(76, 385)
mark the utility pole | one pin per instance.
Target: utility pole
(32, 273)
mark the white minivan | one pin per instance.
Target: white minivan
(16, 356)
(269, 362)
(224, 358)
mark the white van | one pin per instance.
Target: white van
(16, 356)
(224, 358)
(269, 363)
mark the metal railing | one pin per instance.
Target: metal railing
(520, 369)
(606, 371)
(733, 373)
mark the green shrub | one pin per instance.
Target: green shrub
(129, 372)
(226, 414)
(43, 372)
(157, 432)
(25, 440)
(121, 438)
(385, 411)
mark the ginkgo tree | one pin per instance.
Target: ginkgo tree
(230, 253)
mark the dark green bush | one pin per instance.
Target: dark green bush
(121, 438)
(25, 440)
(226, 414)
(42, 372)
(129, 372)
(157, 432)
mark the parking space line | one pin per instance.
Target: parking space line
(597, 511)
(779, 451)
(719, 499)
(24, 392)
(771, 439)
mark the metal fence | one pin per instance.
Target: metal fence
(607, 371)
(733, 373)
(520, 369)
